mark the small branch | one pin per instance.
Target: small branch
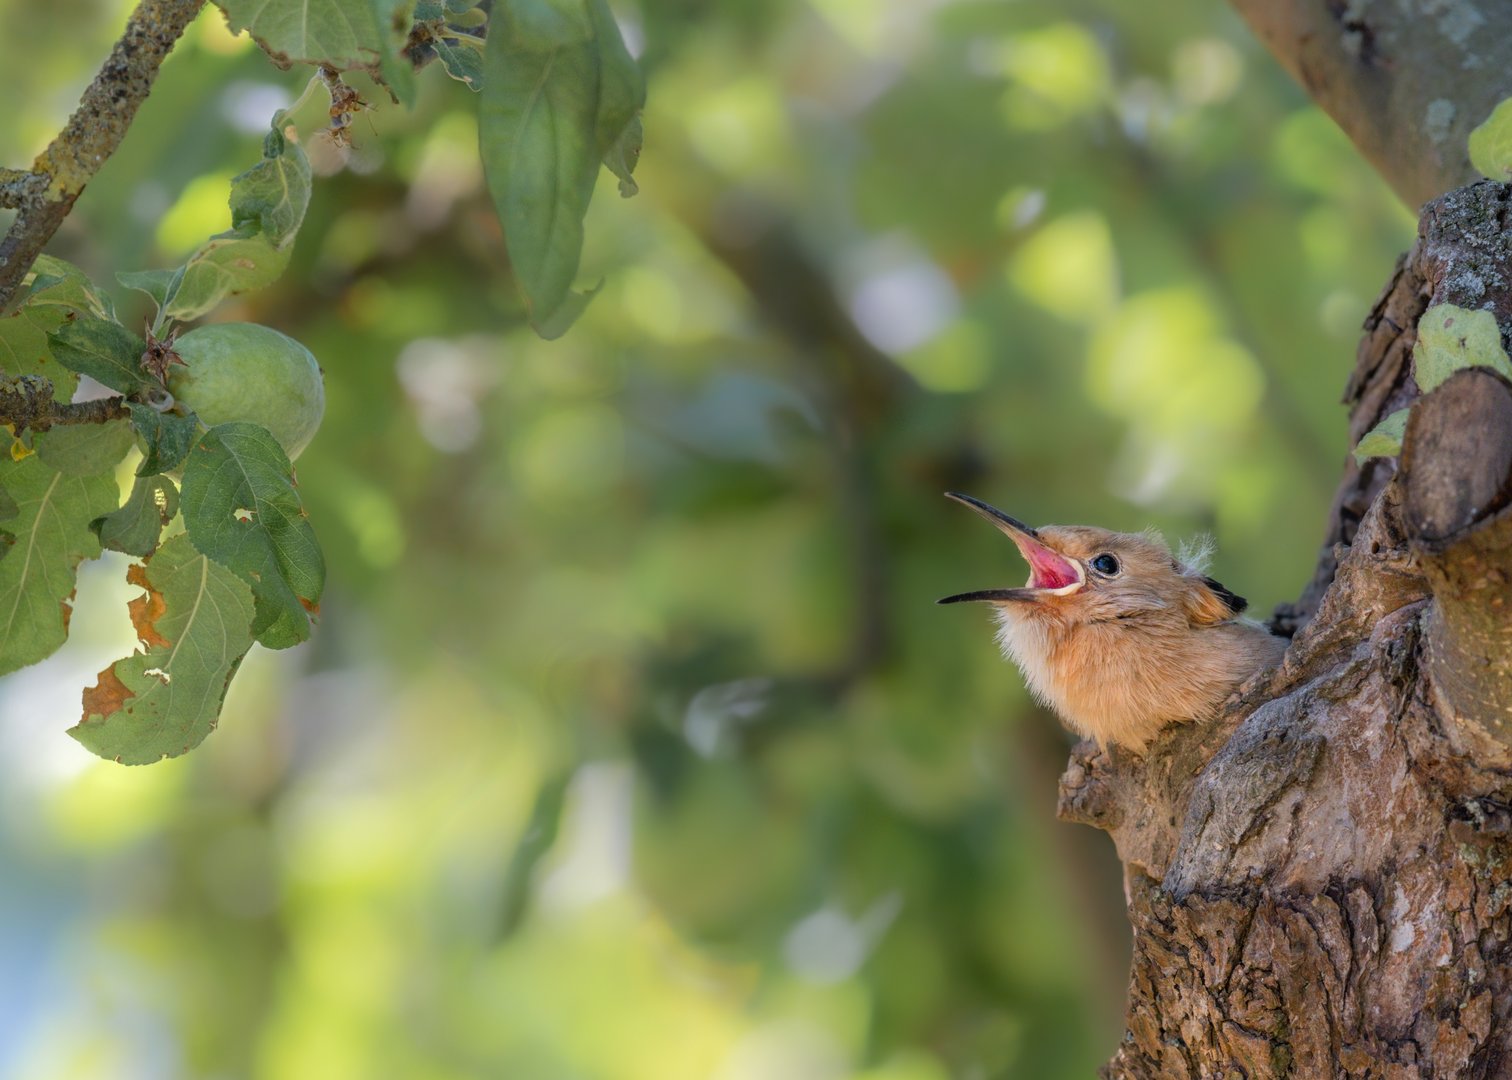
(14, 185)
(45, 195)
(27, 402)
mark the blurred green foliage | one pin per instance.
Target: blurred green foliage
(630, 745)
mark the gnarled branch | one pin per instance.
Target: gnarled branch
(27, 402)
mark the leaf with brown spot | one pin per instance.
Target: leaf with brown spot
(195, 621)
(146, 609)
(109, 695)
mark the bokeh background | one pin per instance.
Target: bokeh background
(631, 744)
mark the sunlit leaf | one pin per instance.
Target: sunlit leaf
(158, 284)
(84, 449)
(52, 536)
(341, 33)
(559, 93)
(194, 621)
(1451, 338)
(271, 197)
(166, 437)
(241, 508)
(58, 283)
(1491, 144)
(105, 351)
(1383, 440)
(225, 266)
(136, 526)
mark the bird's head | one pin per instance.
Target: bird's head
(1079, 574)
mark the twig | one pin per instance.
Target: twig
(46, 194)
(27, 402)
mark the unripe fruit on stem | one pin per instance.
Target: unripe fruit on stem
(243, 371)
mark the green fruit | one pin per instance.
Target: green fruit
(242, 371)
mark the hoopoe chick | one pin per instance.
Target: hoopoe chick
(1118, 636)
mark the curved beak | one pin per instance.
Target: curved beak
(1051, 574)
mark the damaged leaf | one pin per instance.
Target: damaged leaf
(52, 536)
(194, 620)
(24, 348)
(241, 508)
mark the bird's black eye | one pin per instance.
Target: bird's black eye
(1105, 564)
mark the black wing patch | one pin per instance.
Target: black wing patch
(1234, 602)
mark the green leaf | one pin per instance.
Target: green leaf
(57, 283)
(563, 317)
(559, 92)
(52, 535)
(341, 33)
(194, 621)
(84, 449)
(161, 285)
(105, 351)
(225, 265)
(1450, 338)
(136, 526)
(1383, 440)
(24, 348)
(270, 199)
(1491, 144)
(622, 95)
(623, 155)
(241, 508)
(166, 437)
(462, 56)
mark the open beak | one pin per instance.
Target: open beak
(1050, 573)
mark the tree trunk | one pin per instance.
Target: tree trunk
(1320, 884)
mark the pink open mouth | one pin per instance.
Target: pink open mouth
(1047, 569)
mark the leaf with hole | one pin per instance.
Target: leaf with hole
(194, 621)
(52, 536)
(241, 508)
(136, 526)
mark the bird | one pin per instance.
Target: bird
(1117, 635)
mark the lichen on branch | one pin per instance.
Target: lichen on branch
(44, 195)
(26, 402)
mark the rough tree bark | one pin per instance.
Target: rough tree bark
(1321, 883)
